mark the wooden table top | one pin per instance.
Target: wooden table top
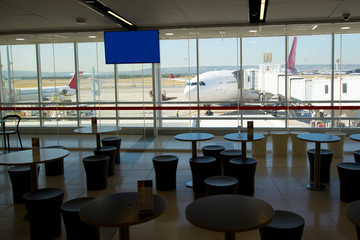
(243, 137)
(194, 137)
(119, 209)
(318, 137)
(25, 157)
(99, 129)
(229, 213)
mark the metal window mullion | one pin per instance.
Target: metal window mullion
(39, 80)
(332, 79)
(116, 93)
(76, 60)
(197, 80)
(286, 81)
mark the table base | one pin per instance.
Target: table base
(124, 233)
(311, 186)
(229, 236)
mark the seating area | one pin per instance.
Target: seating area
(279, 180)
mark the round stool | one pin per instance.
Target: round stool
(214, 151)
(96, 171)
(298, 147)
(111, 152)
(349, 178)
(337, 147)
(325, 163)
(55, 168)
(244, 171)
(357, 156)
(115, 142)
(279, 143)
(20, 177)
(258, 148)
(226, 155)
(43, 207)
(220, 185)
(74, 226)
(202, 168)
(284, 226)
(165, 172)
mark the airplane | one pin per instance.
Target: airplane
(31, 94)
(216, 86)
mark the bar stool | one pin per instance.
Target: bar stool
(298, 147)
(96, 171)
(325, 163)
(214, 151)
(111, 152)
(74, 226)
(226, 155)
(258, 148)
(349, 178)
(20, 177)
(165, 171)
(201, 168)
(115, 142)
(244, 171)
(55, 168)
(337, 147)
(284, 226)
(221, 185)
(280, 142)
(43, 208)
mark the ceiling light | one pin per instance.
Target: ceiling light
(103, 10)
(222, 32)
(91, 36)
(345, 28)
(169, 34)
(314, 27)
(257, 10)
(253, 31)
(20, 39)
(81, 21)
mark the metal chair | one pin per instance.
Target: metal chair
(6, 133)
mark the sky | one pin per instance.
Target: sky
(182, 53)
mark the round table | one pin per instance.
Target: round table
(317, 138)
(26, 158)
(355, 137)
(98, 130)
(229, 213)
(243, 138)
(119, 210)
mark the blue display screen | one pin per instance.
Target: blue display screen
(132, 47)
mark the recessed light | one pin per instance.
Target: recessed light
(169, 34)
(91, 36)
(20, 39)
(253, 31)
(344, 28)
(222, 32)
(314, 27)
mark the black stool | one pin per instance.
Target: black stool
(220, 185)
(214, 151)
(20, 177)
(226, 155)
(325, 163)
(165, 172)
(75, 227)
(111, 152)
(349, 178)
(244, 171)
(115, 142)
(43, 207)
(96, 172)
(357, 156)
(202, 168)
(55, 168)
(284, 226)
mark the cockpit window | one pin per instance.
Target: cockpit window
(195, 83)
(202, 84)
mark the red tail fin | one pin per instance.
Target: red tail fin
(72, 83)
(292, 56)
(172, 76)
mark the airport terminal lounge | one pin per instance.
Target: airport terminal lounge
(184, 120)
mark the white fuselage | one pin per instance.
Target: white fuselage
(218, 86)
(31, 94)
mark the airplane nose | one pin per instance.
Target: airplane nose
(190, 93)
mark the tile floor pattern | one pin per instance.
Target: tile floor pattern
(279, 180)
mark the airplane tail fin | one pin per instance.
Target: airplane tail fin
(172, 76)
(292, 56)
(72, 83)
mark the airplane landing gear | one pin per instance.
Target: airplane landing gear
(209, 113)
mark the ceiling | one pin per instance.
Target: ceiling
(184, 18)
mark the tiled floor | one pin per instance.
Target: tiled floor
(279, 180)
